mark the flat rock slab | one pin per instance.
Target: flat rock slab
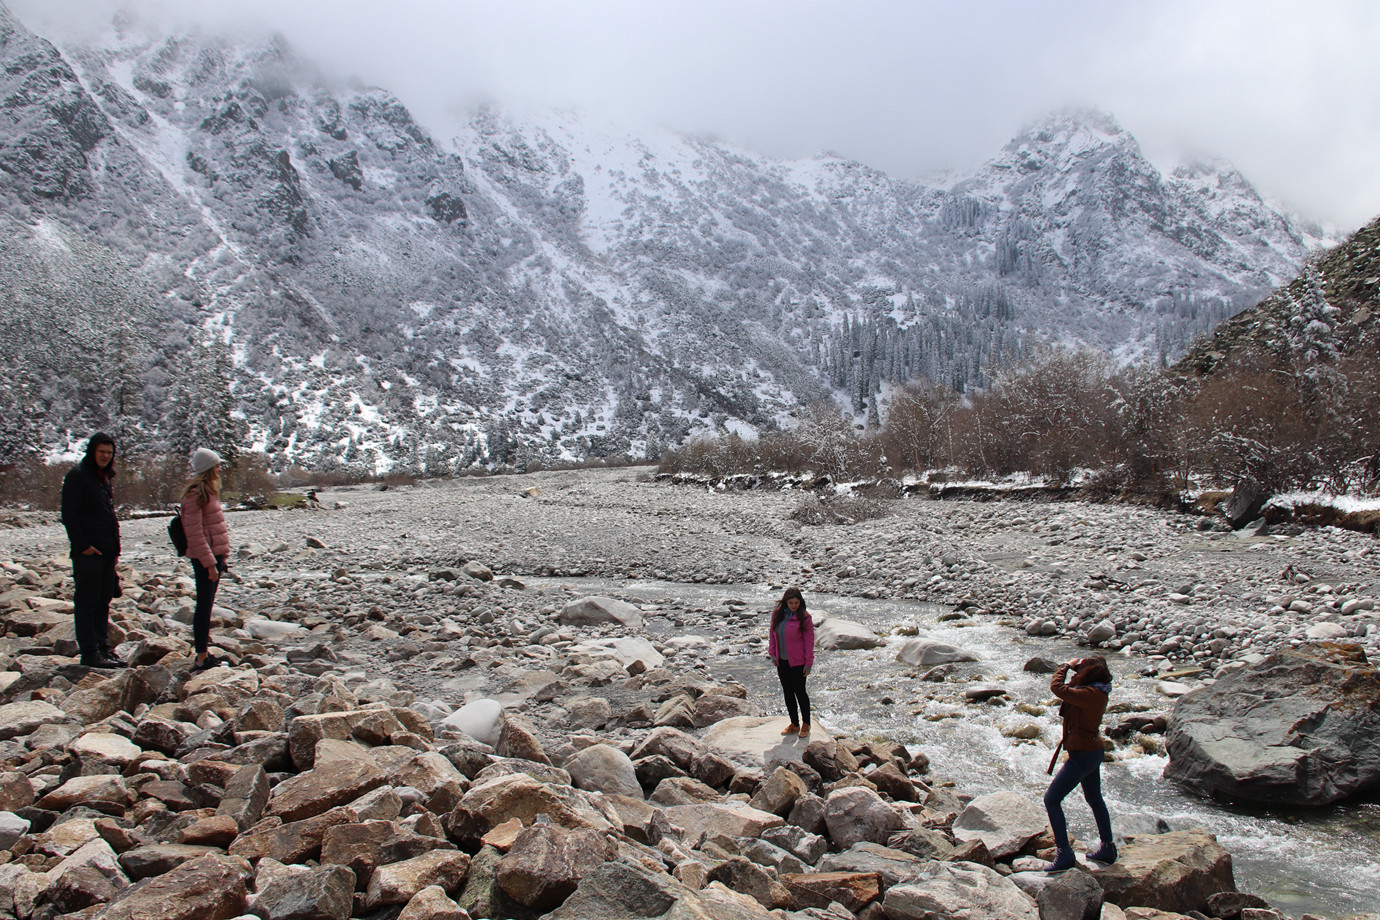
(758, 741)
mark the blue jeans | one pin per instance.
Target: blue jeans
(1082, 768)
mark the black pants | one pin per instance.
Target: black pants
(93, 581)
(205, 600)
(793, 685)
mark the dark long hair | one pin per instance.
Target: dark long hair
(781, 611)
(1093, 670)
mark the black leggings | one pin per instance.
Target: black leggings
(793, 685)
(205, 600)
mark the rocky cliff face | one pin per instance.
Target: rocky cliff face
(503, 288)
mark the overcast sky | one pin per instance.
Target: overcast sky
(1288, 91)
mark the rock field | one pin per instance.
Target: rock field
(420, 720)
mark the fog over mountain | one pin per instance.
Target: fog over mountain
(186, 216)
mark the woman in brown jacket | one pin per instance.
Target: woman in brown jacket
(208, 546)
(1084, 701)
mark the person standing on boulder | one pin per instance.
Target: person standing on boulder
(1083, 703)
(88, 513)
(208, 546)
(791, 647)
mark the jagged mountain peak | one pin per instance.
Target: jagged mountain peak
(554, 284)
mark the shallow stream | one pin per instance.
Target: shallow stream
(1325, 861)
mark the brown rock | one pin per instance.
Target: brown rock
(520, 796)
(712, 770)
(400, 882)
(245, 796)
(121, 693)
(854, 890)
(290, 843)
(891, 781)
(80, 888)
(683, 790)
(16, 791)
(545, 864)
(503, 837)
(103, 792)
(356, 847)
(746, 877)
(159, 858)
(215, 831)
(1178, 871)
(304, 731)
(322, 788)
(519, 739)
(779, 793)
(431, 903)
(209, 888)
(678, 747)
(302, 892)
(259, 715)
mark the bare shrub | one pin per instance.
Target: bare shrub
(917, 433)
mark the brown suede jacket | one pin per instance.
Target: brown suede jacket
(1082, 711)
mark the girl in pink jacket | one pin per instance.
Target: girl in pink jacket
(208, 546)
(791, 647)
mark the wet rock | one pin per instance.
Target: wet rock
(1298, 729)
(832, 633)
(926, 653)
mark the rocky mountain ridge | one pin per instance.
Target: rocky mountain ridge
(504, 290)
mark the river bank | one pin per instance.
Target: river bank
(1028, 579)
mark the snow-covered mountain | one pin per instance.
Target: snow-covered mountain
(507, 287)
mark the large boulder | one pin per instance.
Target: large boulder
(1300, 728)
(959, 890)
(209, 888)
(604, 768)
(594, 610)
(926, 653)
(482, 720)
(856, 814)
(1178, 871)
(834, 634)
(1005, 821)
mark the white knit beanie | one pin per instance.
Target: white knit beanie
(204, 459)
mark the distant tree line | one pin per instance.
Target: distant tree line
(1066, 415)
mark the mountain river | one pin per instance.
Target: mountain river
(1325, 861)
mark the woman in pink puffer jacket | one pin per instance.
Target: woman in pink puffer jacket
(791, 647)
(208, 546)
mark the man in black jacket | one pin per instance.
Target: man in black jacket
(88, 513)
